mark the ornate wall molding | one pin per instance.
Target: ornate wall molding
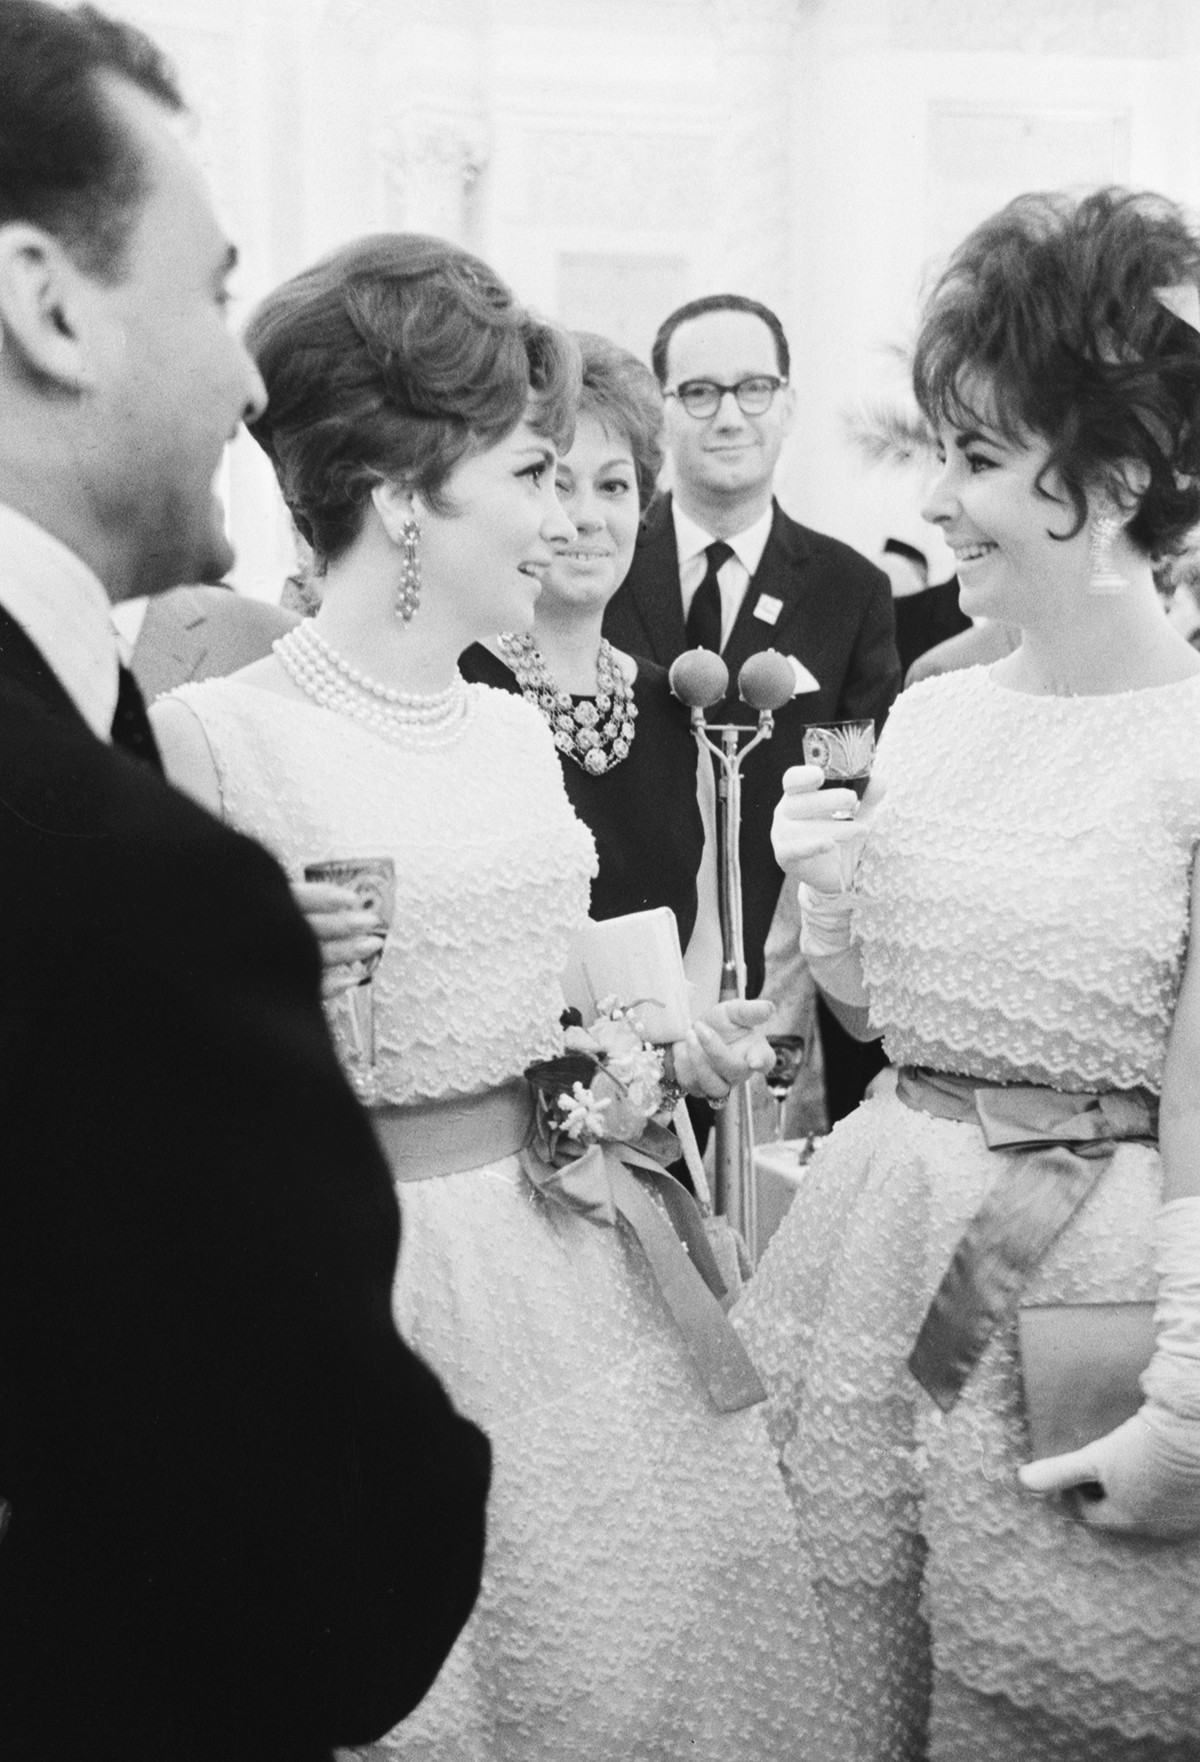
(755, 42)
(978, 156)
(430, 164)
(612, 180)
(1147, 28)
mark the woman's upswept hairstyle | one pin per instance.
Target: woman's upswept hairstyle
(624, 397)
(394, 358)
(1045, 324)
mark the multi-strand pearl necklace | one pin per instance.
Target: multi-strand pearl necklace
(597, 732)
(408, 718)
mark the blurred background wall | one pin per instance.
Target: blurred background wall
(615, 157)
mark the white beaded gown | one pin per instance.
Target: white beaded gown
(645, 1595)
(1022, 917)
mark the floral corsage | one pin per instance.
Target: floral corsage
(598, 1147)
(607, 1087)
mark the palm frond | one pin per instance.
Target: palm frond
(887, 434)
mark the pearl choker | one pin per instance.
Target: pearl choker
(408, 718)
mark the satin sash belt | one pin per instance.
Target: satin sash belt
(1056, 1149)
(433, 1138)
(608, 1181)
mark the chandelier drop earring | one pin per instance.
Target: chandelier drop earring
(1103, 575)
(408, 591)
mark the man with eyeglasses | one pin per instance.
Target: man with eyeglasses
(720, 565)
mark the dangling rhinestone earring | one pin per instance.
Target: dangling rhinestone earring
(1103, 575)
(408, 592)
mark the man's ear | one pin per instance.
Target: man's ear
(42, 299)
(788, 397)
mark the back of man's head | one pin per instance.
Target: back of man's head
(660, 349)
(66, 163)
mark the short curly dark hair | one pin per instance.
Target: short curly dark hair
(623, 395)
(1045, 323)
(394, 358)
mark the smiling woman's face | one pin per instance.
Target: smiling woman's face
(1006, 520)
(597, 486)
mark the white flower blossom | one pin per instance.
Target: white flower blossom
(582, 1113)
(640, 1074)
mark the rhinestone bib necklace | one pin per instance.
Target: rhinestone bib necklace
(408, 718)
(597, 732)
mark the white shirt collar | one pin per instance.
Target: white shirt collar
(691, 538)
(128, 616)
(64, 611)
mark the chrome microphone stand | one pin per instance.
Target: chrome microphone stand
(700, 678)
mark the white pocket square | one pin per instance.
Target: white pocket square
(805, 681)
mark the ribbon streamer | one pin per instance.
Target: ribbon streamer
(609, 1181)
(1056, 1147)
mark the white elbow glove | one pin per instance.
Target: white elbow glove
(827, 944)
(1149, 1468)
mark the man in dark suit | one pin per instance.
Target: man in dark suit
(720, 565)
(243, 1523)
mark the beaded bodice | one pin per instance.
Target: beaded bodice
(1024, 892)
(492, 866)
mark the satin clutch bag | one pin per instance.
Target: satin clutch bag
(636, 959)
(1080, 1365)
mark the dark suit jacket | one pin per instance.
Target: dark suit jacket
(836, 618)
(203, 633)
(245, 1521)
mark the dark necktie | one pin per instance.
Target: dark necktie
(131, 725)
(704, 614)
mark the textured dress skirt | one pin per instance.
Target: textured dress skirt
(1022, 917)
(645, 1594)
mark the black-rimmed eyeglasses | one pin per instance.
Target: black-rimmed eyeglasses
(702, 397)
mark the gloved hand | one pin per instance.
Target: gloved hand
(815, 833)
(1148, 1470)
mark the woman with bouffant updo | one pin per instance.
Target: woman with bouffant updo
(644, 1592)
(1006, 1519)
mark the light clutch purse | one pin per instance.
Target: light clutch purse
(637, 960)
(1080, 1365)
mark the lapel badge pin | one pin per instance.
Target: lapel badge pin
(768, 608)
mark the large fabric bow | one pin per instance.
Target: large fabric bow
(601, 1185)
(1057, 1148)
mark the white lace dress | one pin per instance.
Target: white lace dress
(1023, 917)
(645, 1596)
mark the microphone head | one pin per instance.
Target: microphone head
(699, 678)
(767, 680)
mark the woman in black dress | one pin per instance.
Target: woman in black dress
(629, 759)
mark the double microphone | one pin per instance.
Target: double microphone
(700, 678)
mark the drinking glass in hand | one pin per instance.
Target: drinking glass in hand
(845, 752)
(781, 1078)
(373, 879)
